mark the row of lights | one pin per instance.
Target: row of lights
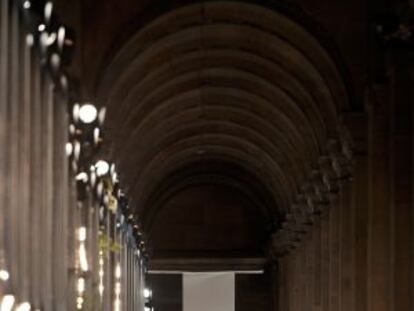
(147, 293)
(100, 179)
(56, 46)
(86, 128)
(56, 43)
(8, 302)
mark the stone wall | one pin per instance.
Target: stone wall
(359, 254)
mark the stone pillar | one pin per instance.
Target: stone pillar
(401, 178)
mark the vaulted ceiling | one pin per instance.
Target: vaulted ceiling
(215, 106)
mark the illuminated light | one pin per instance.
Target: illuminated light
(147, 309)
(101, 116)
(82, 177)
(64, 82)
(29, 40)
(117, 305)
(75, 112)
(113, 168)
(81, 285)
(99, 189)
(147, 293)
(83, 261)
(96, 135)
(101, 273)
(88, 113)
(46, 39)
(76, 150)
(120, 194)
(101, 289)
(79, 300)
(115, 177)
(43, 40)
(93, 178)
(102, 213)
(118, 271)
(61, 37)
(55, 61)
(72, 129)
(69, 149)
(48, 10)
(82, 234)
(27, 5)
(25, 306)
(4, 275)
(118, 288)
(102, 168)
(41, 27)
(7, 303)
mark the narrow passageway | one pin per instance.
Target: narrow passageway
(222, 155)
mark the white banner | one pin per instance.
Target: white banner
(209, 291)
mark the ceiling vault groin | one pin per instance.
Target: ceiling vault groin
(235, 82)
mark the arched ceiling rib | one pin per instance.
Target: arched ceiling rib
(225, 80)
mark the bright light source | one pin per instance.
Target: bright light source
(118, 271)
(117, 305)
(25, 306)
(81, 285)
(4, 275)
(147, 293)
(117, 288)
(69, 149)
(82, 177)
(76, 149)
(27, 5)
(101, 289)
(7, 303)
(64, 82)
(61, 36)
(75, 112)
(96, 135)
(46, 39)
(29, 39)
(48, 10)
(102, 168)
(41, 27)
(88, 113)
(82, 234)
(79, 303)
(83, 261)
(115, 177)
(93, 178)
(102, 114)
(99, 189)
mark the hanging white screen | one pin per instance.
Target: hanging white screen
(208, 291)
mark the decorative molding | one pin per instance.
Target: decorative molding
(317, 194)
